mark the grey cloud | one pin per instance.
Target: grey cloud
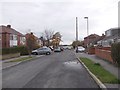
(60, 16)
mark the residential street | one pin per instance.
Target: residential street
(58, 70)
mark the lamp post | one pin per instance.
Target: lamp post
(87, 25)
(76, 29)
(87, 31)
(76, 34)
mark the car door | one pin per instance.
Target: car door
(43, 50)
(40, 50)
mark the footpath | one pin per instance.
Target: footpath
(106, 65)
(6, 63)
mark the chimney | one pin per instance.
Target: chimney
(31, 33)
(9, 26)
(103, 34)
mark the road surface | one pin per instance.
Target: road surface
(58, 70)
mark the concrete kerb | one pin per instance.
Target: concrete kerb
(100, 84)
(20, 62)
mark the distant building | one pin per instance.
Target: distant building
(112, 32)
(9, 37)
(38, 41)
(111, 36)
(89, 39)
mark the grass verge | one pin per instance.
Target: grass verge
(100, 72)
(20, 59)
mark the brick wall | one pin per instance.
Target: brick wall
(105, 48)
(91, 50)
(104, 54)
(5, 40)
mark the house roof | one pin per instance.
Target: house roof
(117, 28)
(98, 39)
(116, 36)
(33, 35)
(5, 29)
(92, 35)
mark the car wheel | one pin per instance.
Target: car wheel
(48, 53)
(35, 53)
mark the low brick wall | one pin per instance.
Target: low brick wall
(8, 56)
(91, 50)
(104, 54)
(105, 48)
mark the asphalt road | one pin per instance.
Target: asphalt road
(59, 70)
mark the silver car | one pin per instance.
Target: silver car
(43, 50)
(80, 49)
(58, 49)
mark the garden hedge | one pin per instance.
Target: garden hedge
(115, 52)
(22, 50)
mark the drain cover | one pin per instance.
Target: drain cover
(73, 64)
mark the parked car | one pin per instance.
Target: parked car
(69, 47)
(80, 49)
(62, 49)
(51, 48)
(43, 50)
(58, 49)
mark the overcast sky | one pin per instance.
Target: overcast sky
(59, 16)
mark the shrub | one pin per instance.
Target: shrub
(23, 50)
(115, 52)
(98, 64)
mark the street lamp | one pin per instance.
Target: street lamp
(87, 25)
(76, 29)
(76, 35)
(87, 31)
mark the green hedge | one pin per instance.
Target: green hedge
(115, 52)
(9, 50)
(22, 50)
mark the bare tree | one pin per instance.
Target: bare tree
(47, 35)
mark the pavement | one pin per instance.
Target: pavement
(106, 65)
(10, 64)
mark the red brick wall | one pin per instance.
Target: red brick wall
(104, 54)
(18, 43)
(91, 50)
(5, 40)
(105, 48)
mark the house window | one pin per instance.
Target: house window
(11, 37)
(14, 37)
(13, 40)
(22, 40)
(118, 40)
(108, 33)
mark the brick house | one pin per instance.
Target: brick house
(38, 41)
(9, 37)
(89, 39)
